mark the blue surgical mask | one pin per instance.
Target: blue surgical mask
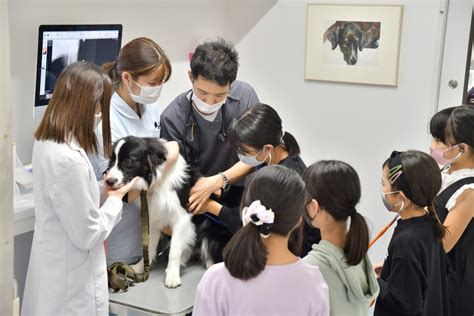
(252, 160)
(249, 160)
(390, 206)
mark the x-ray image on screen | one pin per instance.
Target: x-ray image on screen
(61, 47)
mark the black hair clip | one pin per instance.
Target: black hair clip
(265, 230)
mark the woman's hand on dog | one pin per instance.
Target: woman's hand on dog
(120, 192)
(202, 190)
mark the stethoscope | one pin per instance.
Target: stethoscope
(192, 153)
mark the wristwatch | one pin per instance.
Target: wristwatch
(226, 185)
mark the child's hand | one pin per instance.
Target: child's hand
(378, 269)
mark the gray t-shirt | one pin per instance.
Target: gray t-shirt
(201, 141)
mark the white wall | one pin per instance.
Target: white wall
(359, 124)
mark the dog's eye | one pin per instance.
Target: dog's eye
(112, 161)
(128, 160)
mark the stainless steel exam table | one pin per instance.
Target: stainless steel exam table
(153, 298)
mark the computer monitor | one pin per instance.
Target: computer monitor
(61, 45)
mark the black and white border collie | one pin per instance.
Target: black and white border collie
(145, 158)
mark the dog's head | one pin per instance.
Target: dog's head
(349, 38)
(136, 157)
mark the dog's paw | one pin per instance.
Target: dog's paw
(172, 279)
(138, 267)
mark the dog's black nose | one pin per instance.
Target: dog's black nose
(111, 181)
(353, 61)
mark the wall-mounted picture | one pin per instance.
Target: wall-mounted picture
(357, 44)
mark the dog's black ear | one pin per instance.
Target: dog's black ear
(156, 152)
(333, 37)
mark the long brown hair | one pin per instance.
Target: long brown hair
(78, 90)
(138, 57)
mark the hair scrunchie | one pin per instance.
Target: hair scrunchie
(260, 216)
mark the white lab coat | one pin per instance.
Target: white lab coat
(67, 271)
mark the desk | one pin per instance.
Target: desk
(152, 297)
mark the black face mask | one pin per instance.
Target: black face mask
(307, 218)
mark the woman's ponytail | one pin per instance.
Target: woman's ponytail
(357, 240)
(111, 70)
(245, 255)
(290, 143)
(440, 229)
(272, 204)
(261, 125)
(336, 187)
(421, 183)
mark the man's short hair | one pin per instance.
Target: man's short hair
(217, 61)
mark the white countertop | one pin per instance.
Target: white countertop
(24, 215)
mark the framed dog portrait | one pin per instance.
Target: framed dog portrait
(353, 43)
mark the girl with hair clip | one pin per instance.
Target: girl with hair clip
(453, 147)
(67, 273)
(413, 280)
(260, 140)
(341, 255)
(260, 275)
(138, 76)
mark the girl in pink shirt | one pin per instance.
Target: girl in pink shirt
(260, 275)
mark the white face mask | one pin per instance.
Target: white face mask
(97, 120)
(148, 95)
(205, 108)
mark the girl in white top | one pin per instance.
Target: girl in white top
(138, 75)
(67, 272)
(453, 147)
(260, 275)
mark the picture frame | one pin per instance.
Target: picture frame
(353, 43)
